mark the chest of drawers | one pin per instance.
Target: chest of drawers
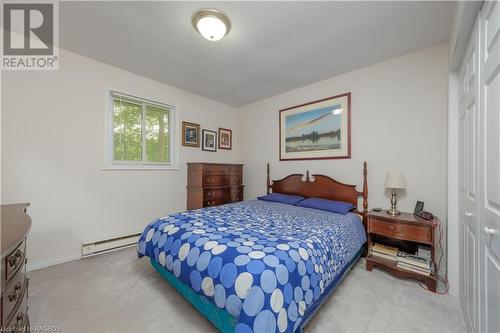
(213, 184)
(14, 283)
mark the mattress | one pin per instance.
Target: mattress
(268, 265)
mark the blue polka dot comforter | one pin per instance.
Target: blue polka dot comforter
(265, 263)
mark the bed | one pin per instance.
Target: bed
(259, 266)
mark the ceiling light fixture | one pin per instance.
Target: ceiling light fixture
(212, 24)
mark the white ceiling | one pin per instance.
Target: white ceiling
(273, 47)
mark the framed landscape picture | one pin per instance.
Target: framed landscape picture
(225, 138)
(209, 140)
(316, 130)
(190, 134)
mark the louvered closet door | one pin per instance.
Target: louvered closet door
(489, 171)
(468, 180)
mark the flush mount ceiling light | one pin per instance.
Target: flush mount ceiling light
(212, 24)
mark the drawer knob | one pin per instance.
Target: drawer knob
(19, 326)
(468, 214)
(16, 292)
(13, 260)
(490, 231)
(392, 227)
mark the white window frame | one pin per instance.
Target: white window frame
(173, 130)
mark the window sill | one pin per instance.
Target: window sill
(118, 167)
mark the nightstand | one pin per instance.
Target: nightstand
(406, 232)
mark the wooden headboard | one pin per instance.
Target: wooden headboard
(320, 186)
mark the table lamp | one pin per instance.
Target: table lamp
(394, 181)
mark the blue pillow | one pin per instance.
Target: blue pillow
(283, 198)
(340, 207)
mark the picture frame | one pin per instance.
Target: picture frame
(209, 140)
(316, 130)
(190, 134)
(225, 138)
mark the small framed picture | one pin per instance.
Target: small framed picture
(225, 138)
(209, 140)
(190, 134)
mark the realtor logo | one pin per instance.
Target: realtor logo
(29, 36)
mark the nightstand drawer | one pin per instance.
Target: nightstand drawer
(402, 231)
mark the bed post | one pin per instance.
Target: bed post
(365, 188)
(268, 184)
(365, 205)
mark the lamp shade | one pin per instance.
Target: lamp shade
(395, 180)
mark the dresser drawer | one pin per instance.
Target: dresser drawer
(224, 196)
(215, 202)
(14, 260)
(402, 231)
(217, 193)
(215, 169)
(19, 321)
(216, 180)
(222, 180)
(227, 194)
(13, 293)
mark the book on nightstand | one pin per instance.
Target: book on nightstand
(412, 260)
(403, 260)
(384, 252)
(412, 268)
(424, 251)
(414, 263)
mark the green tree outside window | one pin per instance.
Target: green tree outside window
(140, 132)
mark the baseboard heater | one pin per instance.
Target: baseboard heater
(107, 245)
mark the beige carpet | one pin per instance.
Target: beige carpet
(118, 292)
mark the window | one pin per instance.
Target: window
(140, 134)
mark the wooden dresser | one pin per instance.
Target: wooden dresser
(213, 184)
(14, 308)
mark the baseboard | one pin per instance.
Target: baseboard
(34, 265)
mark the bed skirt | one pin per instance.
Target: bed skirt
(220, 318)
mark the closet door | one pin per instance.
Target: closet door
(489, 171)
(468, 183)
(462, 183)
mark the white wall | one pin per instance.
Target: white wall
(52, 155)
(398, 122)
(52, 145)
